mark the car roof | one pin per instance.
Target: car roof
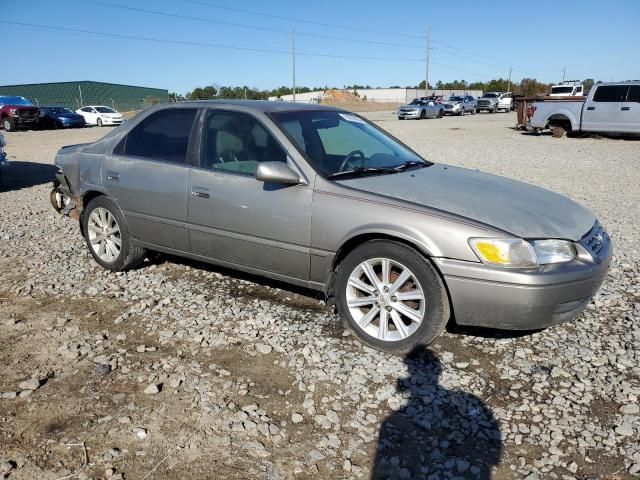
(260, 105)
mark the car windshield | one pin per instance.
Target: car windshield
(561, 89)
(341, 143)
(490, 95)
(15, 101)
(105, 110)
(58, 110)
(456, 99)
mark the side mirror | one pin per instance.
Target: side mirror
(277, 172)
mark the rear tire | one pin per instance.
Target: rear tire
(440, 113)
(9, 124)
(388, 322)
(107, 236)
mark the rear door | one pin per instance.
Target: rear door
(630, 111)
(147, 175)
(602, 113)
(237, 219)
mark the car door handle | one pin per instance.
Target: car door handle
(199, 192)
(113, 176)
(625, 108)
(591, 108)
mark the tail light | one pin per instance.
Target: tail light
(531, 109)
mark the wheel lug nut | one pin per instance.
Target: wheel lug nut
(386, 289)
(394, 299)
(388, 309)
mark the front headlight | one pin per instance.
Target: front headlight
(518, 253)
(504, 252)
(553, 251)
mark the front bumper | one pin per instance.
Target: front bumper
(520, 300)
(111, 121)
(413, 114)
(486, 107)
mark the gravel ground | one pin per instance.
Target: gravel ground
(183, 370)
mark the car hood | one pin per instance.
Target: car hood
(20, 107)
(516, 207)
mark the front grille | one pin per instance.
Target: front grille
(596, 241)
(484, 102)
(27, 113)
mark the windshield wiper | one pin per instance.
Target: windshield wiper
(410, 164)
(363, 171)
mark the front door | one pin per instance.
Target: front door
(147, 175)
(237, 219)
(602, 113)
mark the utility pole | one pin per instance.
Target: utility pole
(80, 90)
(509, 81)
(564, 71)
(293, 61)
(426, 61)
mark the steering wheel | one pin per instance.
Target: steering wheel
(349, 157)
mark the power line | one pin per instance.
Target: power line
(200, 44)
(476, 57)
(252, 27)
(302, 20)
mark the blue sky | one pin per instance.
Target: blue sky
(471, 40)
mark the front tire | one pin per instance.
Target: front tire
(99, 122)
(9, 124)
(107, 236)
(391, 297)
(423, 114)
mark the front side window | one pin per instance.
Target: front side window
(562, 90)
(340, 143)
(236, 142)
(163, 136)
(610, 93)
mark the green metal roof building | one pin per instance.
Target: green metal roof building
(76, 94)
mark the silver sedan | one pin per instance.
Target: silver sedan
(320, 197)
(420, 109)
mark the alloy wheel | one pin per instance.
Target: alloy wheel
(385, 299)
(104, 235)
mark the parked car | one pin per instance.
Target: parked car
(567, 89)
(612, 108)
(17, 112)
(459, 105)
(100, 115)
(420, 108)
(488, 102)
(505, 102)
(59, 117)
(320, 197)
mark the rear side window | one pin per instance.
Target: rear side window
(610, 93)
(634, 93)
(163, 136)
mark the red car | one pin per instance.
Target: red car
(17, 112)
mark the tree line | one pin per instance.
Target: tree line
(526, 86)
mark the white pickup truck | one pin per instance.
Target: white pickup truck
(612, 108)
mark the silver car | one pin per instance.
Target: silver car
(421, 108)
(459, 105)
(320, 197)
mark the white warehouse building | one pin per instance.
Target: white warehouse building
(390, 95)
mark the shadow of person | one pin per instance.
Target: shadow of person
(438, 433)
(18, 175)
